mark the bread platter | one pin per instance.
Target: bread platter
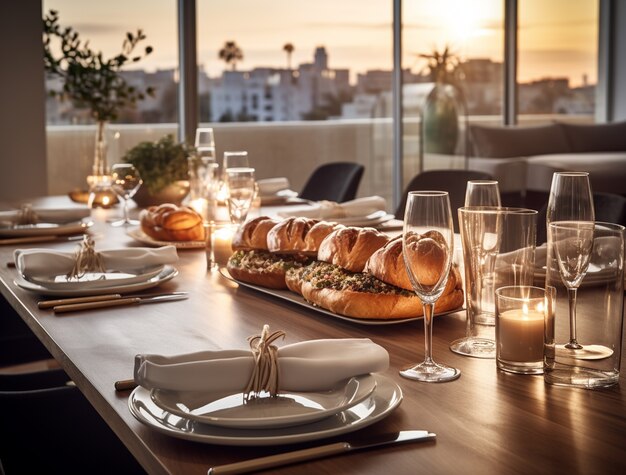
(294, 298)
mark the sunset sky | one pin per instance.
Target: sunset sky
(556, 37)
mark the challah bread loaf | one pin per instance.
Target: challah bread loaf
(252, 262)
(169, 222)
(288, 236)
(252, 235)
(387, 264)
(298, 235)
(350, 247)
(361, 295)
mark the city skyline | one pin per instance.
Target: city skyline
(559, 48)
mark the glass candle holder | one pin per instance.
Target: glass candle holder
(219, 244)
(520, 319)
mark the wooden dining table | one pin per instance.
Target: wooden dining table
(487, 421)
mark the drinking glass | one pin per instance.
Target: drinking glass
(479, 193)
(235, 160)
(205, 142)
(125, 181)
(241, 191)
(570, 220)
(482, 193)
(428, 243)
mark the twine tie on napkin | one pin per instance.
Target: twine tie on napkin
(333, 209)
(26, 215)
(265, 372)
(86, 260)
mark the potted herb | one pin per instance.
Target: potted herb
(163, 168)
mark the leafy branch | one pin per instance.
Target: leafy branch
(90, 80)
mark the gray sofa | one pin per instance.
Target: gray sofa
(523, 159)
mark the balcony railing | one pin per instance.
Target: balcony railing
(290, 149)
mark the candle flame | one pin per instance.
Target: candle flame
(525, 308)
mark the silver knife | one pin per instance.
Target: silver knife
(287, 458)
(119, 302)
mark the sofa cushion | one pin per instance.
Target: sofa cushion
(509, 142)
(595, 137)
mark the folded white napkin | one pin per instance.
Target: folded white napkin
(314, 365)
(360, 207)
(271, 186)
(38, 262)
(58, 216)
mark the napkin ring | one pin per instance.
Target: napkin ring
(265, 372)
(27, 215)
(86, 260)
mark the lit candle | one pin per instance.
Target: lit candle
(520, 334)
(221, 241)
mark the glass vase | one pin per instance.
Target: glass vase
(100, 193)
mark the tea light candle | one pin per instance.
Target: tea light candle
(221, 240)
(520, 334)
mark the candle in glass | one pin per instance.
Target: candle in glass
(520, 316)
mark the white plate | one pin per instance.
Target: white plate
(46, 229)
(278, 198)
(372, 219)
(379, 405)
(95, 280)
(166, 274)
(286, 409)
(142, 237)
(297, 299)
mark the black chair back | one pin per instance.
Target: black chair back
(452, 181)
(336, 181)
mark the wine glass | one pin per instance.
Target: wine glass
(482, 193)
(125, 181)
(428, 244)
(241, 191)
(479, 193)
(570, 219)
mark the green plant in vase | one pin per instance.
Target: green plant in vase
(91, 81)
(441, 112)
(163, 167)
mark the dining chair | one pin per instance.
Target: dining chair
(18, 344)
(452, 181)
(608, 207)
(335, 181)
(47, 426)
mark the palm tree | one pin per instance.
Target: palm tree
(442, 67)
(288, 48)
(231, 53)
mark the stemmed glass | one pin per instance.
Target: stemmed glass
(570, 219)
(482, 193)
(125, 181)
(241, 191)
(427, 247)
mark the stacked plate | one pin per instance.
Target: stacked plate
(98, 283)
(230, 419)
(45, 229)
(278, 198)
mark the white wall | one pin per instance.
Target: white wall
(23, 167)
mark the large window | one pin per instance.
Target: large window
(104, 25)
(558, 58)
(286, 60)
